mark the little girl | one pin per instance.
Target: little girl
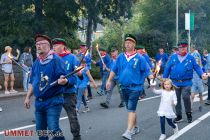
(165, 111)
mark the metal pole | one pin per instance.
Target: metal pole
(177, 21)
(189, 39)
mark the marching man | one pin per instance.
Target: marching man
(132, 71)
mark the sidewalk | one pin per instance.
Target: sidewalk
(22, 93)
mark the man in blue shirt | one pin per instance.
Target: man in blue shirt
(132, 70)
(180, 69)
(87, 59)
(71, 62)
(104, 69)
(47, 68)
(114, 82)
(163, 57)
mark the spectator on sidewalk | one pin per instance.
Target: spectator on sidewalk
(26, 60)
(6, 61)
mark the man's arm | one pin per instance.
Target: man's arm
(27, 102)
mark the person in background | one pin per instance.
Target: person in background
(141, 50)
(163, 57)
(69, 93)
(6, 61)
(197, 85)
(104, 69)
(87, 59)
(208, 72)
(114, 82)
(26, 60)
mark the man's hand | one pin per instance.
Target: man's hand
(205, 76)
(151, 76)
(62, 80)
(27, 102)
(108, 84)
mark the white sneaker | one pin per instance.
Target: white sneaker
(127, 135)
(162, 137)
(135, 130)
(87, 109)
(7, 92)
(176, 130)
(1, 109)
(13, 91)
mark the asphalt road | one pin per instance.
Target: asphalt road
(108, 124)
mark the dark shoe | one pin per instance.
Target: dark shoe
(178, 119)
(121, 105)
(33, 121)
(200, 108)
(207, 102)
(100, 93)
(104, 105)
(189, 117)
(90, 98)
(77, 138)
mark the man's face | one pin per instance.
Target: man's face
(129, 45)
(114, 54)
(58, 48)
(161, 51)
(182, 49)
(141, 51)
(42, 47)
(83, 49)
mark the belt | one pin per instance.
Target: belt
(183, 80)
(130, 86)
(44, 99)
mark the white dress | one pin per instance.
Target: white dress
(167, 99)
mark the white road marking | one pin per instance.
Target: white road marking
(27, 126)
(188, 127)
(154, 97)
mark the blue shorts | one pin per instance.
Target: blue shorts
(131, 98)
(197, 88)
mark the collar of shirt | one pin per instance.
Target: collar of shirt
(129, 56)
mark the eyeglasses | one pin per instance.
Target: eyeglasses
(39, 44)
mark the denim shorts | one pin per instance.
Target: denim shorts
(131, 99)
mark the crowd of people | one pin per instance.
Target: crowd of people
(180, 76)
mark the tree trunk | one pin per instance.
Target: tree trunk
(89, 31)
(38, 17)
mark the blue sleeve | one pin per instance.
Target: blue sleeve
(108, 62)
(167, 68)
(115, 66)
(148, 61)
(98, 63)
(157, 57)
(146, 69)
(208, 63)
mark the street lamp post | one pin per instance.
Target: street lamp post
(177, 21)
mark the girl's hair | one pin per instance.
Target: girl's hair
(167, 80)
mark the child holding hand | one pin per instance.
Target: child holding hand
(165, 111)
